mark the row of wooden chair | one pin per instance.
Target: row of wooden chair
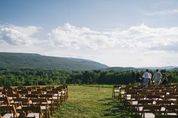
(158, 101)
(38, 101)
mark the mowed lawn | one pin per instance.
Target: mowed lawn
(88, 101)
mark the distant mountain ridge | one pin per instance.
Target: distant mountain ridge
(37, 61)
(121, 69)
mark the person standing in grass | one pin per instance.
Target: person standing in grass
(157, 77)
(146, 78)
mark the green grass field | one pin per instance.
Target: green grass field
(91, 102)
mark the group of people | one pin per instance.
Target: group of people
(157, 78)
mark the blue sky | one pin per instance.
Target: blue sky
(147, 30)
(95, 14)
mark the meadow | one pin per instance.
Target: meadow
(91, 101)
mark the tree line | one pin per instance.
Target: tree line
(24, 77)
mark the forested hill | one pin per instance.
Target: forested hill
(123, 69)
(36, 61)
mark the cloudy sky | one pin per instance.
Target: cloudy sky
(137, 33)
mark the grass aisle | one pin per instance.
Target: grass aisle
(90, 102)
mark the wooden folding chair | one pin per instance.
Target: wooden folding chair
(32, 111)
(172, 109)
(150, 109)
(8, 111)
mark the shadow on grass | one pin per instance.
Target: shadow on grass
(117, 109)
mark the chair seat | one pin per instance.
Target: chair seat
(36, 115)
(10, 115)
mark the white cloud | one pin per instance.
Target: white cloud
(136, 46)
(137, 37)
(73, 37)
(16, 35)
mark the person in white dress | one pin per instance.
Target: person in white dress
(157, 77)
(146, 78)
